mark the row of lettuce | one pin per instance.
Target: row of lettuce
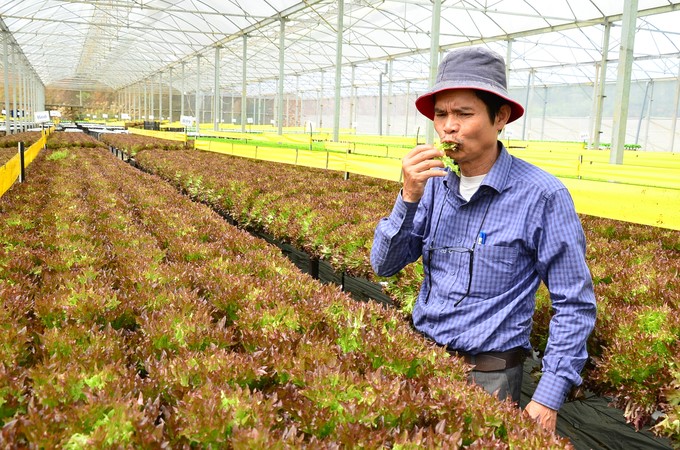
(635, 347)
(133, 317)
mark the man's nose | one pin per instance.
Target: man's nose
(451, 124)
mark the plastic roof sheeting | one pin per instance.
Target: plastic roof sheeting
(116, 44)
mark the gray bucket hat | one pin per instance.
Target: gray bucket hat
(470, 68)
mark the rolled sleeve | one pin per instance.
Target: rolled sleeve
(564, 270)
(551, 390)
(393, 244)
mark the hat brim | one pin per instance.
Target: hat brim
(425, 103)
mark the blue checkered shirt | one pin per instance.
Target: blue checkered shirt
(519, 228)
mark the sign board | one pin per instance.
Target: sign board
(55, 113)
(41, 116)
(187, 121)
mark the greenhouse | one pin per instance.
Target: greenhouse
(189, 196)
(355, 64)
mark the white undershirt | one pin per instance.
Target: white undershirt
(469, 185)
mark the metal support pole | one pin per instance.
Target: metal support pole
(597, 129)
(338, 70)
(160, 96)
(621, 99)
(22, 172)
(14, 94)
(643, 110)
(152, 98)
(321, 93)
(353, 100)
(216, 94)
(198, 95)
(282, 45)
(388, 125)
(434, 56)
(244, 85)
(5, 57)
(170, 115)
(530, 83)
(649, 114)
(181, 105)
(380, 101)
(674, 119)
(408, 106)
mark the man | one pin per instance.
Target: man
(487, 238)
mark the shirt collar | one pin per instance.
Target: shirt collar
(498, 175)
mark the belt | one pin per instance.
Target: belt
(492, 361)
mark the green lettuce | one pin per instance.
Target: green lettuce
(447, 160)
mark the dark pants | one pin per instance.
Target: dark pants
(501, 383)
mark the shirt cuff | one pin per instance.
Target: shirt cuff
(551, 391)
(403, 213)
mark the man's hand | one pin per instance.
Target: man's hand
(542, 414)
(416, 166)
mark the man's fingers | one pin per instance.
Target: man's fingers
(421, 153)
(416, 167)
(423, 168)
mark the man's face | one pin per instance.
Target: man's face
(462, 117)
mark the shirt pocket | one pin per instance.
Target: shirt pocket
(494, 269)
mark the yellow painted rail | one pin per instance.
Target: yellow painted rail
(169, 135)
(654, 206)
(11, 170)
(633, 193)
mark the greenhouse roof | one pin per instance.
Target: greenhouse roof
(115, 44)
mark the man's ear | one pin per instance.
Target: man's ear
(502, 117)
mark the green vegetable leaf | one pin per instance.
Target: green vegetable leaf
(448, 161)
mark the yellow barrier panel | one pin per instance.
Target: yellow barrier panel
(277, 154)
(379, 140)
(11, 170)
(630, 158)
(340, 146)
(644, 205)
(33, 150)
(168, 135)
(656, 206)
(595, 166)
(649, 176)
(541, 146)
(384, 168)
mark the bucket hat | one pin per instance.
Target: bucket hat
(470, 68)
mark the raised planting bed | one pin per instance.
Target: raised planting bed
(636, 269)
(9, 144)
(133, 317)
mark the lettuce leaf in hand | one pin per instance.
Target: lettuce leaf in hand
(447, 160)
